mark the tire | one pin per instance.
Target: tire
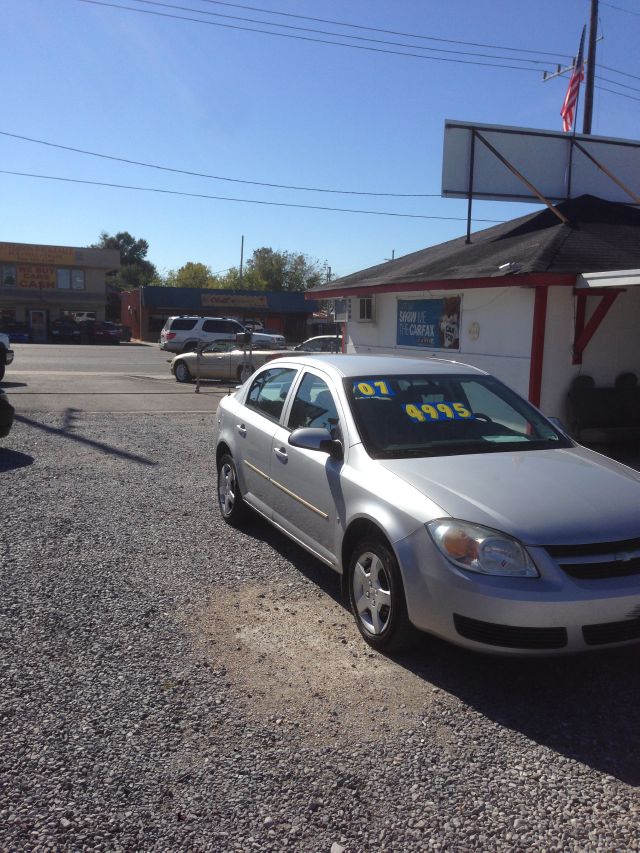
(244, 372)
(182, 372)
(231, 503)
(376, 595)
(2, 368)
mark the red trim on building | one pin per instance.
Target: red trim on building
(583, 334)
(529, 280)
(537, 344)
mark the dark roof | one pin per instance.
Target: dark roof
(601, 236)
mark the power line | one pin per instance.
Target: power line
(212, 177)
(619, 8)
(241, 200)
(308, 38)
(337, 35)
(615, 83)
(616, 71)
(380, 30)
(613, 92)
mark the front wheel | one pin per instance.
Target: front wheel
(377, 597)
(232, 506)
(182, 372)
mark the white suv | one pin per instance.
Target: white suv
(183, 334)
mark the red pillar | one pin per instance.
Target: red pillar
(537, 344)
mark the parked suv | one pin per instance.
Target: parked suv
(182, 334)
(6, 353)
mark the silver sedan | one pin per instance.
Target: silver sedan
(221, 360)
(444, 500)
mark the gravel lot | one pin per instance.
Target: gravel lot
(167, 683)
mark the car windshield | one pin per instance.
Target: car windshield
(413, 415)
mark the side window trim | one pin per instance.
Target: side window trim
(286, 403)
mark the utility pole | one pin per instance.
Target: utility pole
(591, 69)
(241, 258)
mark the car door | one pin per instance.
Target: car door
(255, 424)
(307, 499)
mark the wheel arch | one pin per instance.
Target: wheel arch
(221, 450)
(358, 529)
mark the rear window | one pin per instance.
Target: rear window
(181, 324)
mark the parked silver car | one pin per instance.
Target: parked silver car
(221, 360)
(445, 501)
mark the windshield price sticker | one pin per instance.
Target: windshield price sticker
(425, 412)
(374, 388)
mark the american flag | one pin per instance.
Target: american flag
(570, 99)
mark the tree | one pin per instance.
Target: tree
(192, 275)
(135, 270)
(281, 271)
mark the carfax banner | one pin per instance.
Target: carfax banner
(431, 323)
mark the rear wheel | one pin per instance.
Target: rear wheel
(232, 506)
(244, 372)
(182, 372)
(377, 597)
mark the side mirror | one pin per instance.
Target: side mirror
(317, 438)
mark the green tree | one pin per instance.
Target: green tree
(281, 271)
(192, 275)
(135, 270)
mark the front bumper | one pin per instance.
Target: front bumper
(552, 614)
(8, 356)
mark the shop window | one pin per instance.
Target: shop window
(63, 279)
(77, 279)
(367, 312)
(8, 272)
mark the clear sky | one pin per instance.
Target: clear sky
(256, 107)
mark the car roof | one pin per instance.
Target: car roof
(358, 365)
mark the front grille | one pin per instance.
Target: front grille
(578, 560)
(611, 632)
(509, 636)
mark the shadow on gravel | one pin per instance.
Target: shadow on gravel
(65, 432)
(10, 460)
(582, 706)
(585, 707)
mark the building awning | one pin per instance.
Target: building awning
(616, 278)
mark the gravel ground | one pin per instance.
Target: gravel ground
(168, 683)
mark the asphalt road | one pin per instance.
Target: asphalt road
(129, 377)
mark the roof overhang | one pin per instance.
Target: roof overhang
(615, 278)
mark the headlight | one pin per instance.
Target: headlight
(480, 549)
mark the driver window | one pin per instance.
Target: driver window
(269, 391)
(314, 406)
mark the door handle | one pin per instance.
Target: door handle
(241, 429)
(281, 453)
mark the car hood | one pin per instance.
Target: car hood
(541, 497)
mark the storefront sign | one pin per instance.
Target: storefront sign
(223, 301)
(431, 323)
(23, 253)
(37, 277)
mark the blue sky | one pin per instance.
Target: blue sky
(263, 108)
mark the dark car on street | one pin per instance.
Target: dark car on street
(6, 415)
(65, 329)
(19, 333)
(100, 332)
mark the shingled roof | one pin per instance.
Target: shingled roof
(600, 236)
